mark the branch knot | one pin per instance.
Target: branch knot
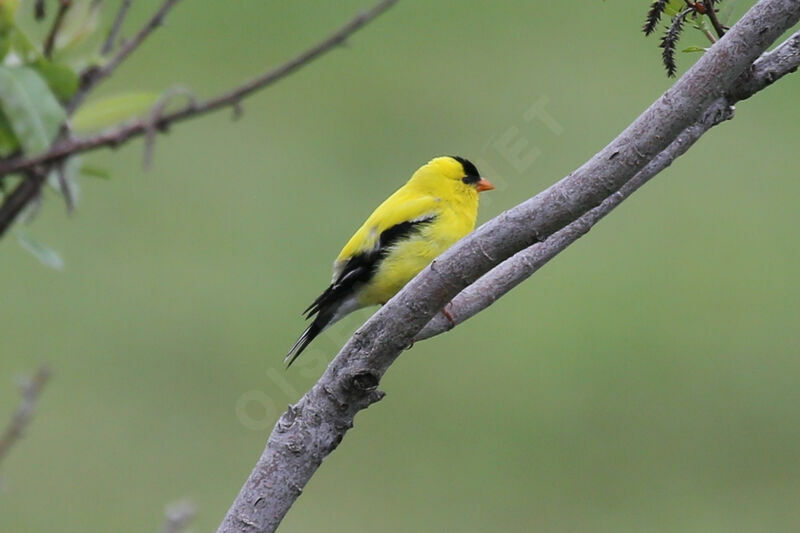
(364, 381)
(288, 418)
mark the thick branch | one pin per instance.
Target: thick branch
(119, 135)
(519, 267)
(314, 427)
(514, 270)
(30, 392)
(769, 68)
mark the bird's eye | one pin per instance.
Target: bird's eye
(470, 180)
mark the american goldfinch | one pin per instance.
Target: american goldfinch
(422, 219)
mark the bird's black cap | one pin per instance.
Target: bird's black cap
(470, 171)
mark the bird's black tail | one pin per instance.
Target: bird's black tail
(325, 311)
(329, 303)
(305, 339)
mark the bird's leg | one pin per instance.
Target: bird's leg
(448, 315)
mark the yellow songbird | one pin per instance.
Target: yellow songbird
(422, 219)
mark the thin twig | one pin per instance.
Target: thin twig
(49, 43)
(712, 15)
(155, 116)
(113, 33)
(39, 11)
(30, 391)
(29, 189)
(64, 185)
(121, 134)
(94, 75)
(701, 8)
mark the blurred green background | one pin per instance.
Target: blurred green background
(645, 380)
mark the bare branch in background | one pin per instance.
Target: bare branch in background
(49, 43)
(313, 427)
(119, 135)
(30, 391)
(39, 11)
(156, 113)
(94, 75)
(116, 27)
(29, 188)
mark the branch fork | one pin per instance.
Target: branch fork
(556, 217)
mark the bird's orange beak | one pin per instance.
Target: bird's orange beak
(484, 185)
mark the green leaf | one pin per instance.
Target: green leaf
(112, 110)
(63, 81)
(30, 107)
(690, 49)
(46, 255)
(95, 172)
(5, 41)
(23, 46)
(8, 12)
(8, 141)
(674, 7)
(80, 23)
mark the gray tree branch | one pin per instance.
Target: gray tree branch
(313, 427)
(519, 267)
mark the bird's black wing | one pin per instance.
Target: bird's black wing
(358, 270)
